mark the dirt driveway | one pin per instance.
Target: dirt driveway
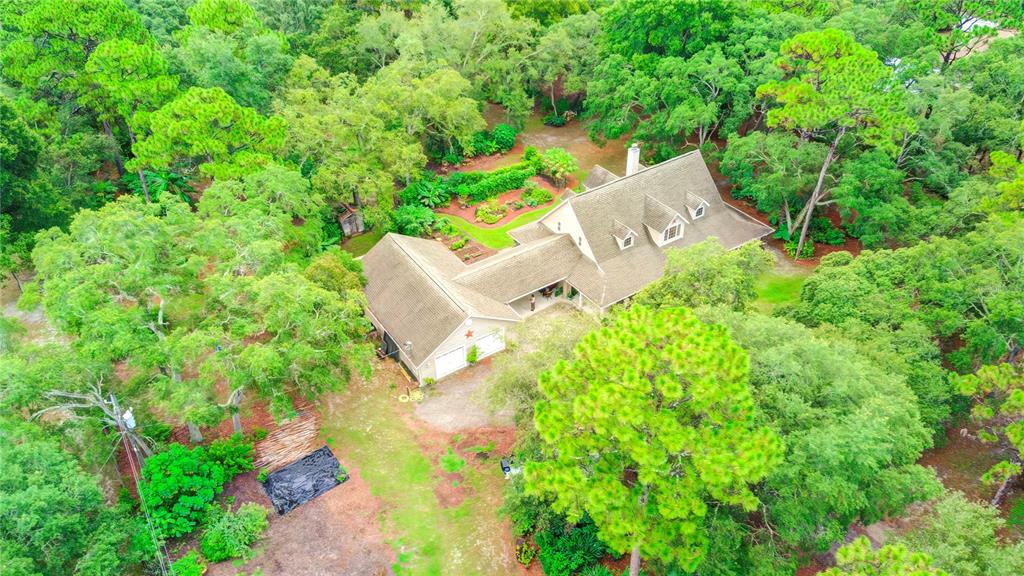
(458, 402)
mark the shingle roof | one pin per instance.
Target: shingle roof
(409, 292)
(598, 176)
(515, 272)
(620, 231)
(657, 215)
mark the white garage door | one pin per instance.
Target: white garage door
(445, 364)
(490, 344)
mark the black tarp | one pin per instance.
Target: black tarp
(303, 480)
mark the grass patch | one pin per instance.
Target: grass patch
(361, 244)
(775, 289)
(367, 425)
(497, 238)
(452, 462)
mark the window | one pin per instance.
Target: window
(671, 233)
(698, 212)
(559, 225)
(579, 241)
(627, 242)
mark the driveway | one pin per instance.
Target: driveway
(458, 403)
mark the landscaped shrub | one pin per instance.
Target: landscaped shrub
(473, 354)
(429, 191)
(413, 220)
(504, 137)
(188, 565)
(531, 157)
(823, 231)
(177, 485)
(230, 534)
(490, 212)
(791, 247)
(501, 180)
(556, 120)
(558, 164)
(563, 553)
(459, 244)
(483, 143)
(535, 195)
(233, 454)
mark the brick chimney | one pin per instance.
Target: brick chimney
(633, 159)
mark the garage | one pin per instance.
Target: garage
(449, 362)
(490, 344)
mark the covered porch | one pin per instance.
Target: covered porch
(560, 292)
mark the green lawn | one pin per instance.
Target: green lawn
(775, 289)
(359, 245)
(367, 426)
(497, 238)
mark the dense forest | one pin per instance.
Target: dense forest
(171, 178)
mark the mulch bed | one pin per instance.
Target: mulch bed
(469, 213)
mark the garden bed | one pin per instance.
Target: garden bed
(469, 212)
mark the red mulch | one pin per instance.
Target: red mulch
(469, 212)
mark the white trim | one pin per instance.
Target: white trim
(702, 208)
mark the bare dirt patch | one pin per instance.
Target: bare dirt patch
(458, 403)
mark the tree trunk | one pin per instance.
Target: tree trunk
(17, 281)
(817, 191)
(234, 402)
(554, 106)
(195, 435)
(634, 561)
(142, 175)
(117, 148)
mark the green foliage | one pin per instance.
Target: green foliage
(413, 220)
(504, 137)
(336, 270)
(233, 454)
(472, 354)
(558, 164)
(706, 274)
(159, 182)
(490, 211)
(188, 565)
(230, 534)
(526, 553)
(564, 552)
(606, 405)
(497, 182)
(534, 195)
(791, 247)
(459, 244)
(178, 484)
(859, 559)
(823, 231)
(451, 462)
(998, 393)
(962, 538)
(261, 477)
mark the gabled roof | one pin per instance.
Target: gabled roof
(657, 215)
(409, 292)
(598, 176)
(621, 231)
(515, 272)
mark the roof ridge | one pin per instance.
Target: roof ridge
(646, 168)
(458, 302)
(508, 253)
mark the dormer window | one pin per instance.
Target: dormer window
(672, 232)
(627, 242)
(624, 235)
(698, 212)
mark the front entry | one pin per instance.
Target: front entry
(445, 364)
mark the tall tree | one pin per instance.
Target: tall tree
(205, 128)
(834, 86)
(959, 27)
(859, 559)
(651, 419)
(998, 392)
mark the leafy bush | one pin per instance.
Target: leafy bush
(535, 196)
(556, 120)
(596, 570)
(562, 553)
(483, 143)
(823, 231)
(473, 354)
(452, 462)
(229, 535)
(526, 553)
(504, 137)
(558, 164)
(188, 565)
(531, 157)
(262, 476)
(501, 180)
(459, 244)
(233, 454)
(791, 246)
(429, 191)
(177, 485)
(413, 220)
(490, 212)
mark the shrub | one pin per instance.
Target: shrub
(504, 137)
(473, 354)
(518, 205)
(535, 196)
(501, 180)
(483, 143)
(258, 433)
(413, 220)
(526, 553)
(823, 231)
(188, 565)
(490, 212)
(531, 157)
(459, 244)
(563, 553)
(231, 534)
(429, 191)
(556, 120)
(452, 462)
(233, 454)
(177, 485)
(791, 246)
(261, 477)
(558, 164)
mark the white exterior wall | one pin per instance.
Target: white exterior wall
(565, 215)
(481, 327)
